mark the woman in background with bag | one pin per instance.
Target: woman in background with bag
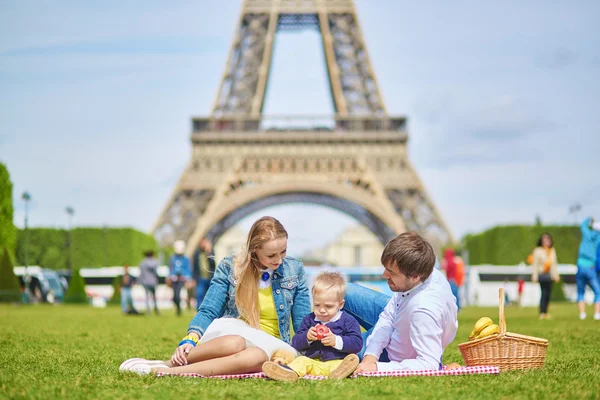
(545, 270)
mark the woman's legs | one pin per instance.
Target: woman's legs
(246, 361)
(546, 288)
(215, 348)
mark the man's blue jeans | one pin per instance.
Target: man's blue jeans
(201, 289)
(365, 305)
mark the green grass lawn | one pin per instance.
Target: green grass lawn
(75, 351)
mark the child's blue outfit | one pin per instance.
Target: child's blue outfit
(319, 359)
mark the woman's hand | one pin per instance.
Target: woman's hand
(534, 280)
(181, 353)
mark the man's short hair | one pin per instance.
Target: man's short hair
(330, 282)
(411, 254)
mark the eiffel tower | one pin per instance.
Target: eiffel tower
(354, 161)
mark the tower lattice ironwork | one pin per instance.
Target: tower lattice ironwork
(355, 161)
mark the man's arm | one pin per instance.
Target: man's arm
(426, 338)
(382, 332)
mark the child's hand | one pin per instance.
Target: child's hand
(328, 339)
(311, 335)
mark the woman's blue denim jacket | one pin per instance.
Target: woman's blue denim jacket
(290, 293)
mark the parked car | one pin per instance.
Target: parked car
(45, 285)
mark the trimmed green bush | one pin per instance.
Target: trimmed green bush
(8, 232)
(116, 297)
(10, 289)
(510, 245)
(76, 291)
(91, 247)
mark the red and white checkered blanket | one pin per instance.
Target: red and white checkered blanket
(444, 372)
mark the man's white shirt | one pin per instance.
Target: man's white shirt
(416, 326)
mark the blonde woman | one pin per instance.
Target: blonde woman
(545, 270)
(253, 300)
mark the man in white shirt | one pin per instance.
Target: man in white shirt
(420, 319)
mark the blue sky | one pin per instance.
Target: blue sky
(502, 98)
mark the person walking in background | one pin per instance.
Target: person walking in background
(586, 266)
(521, 285)
(449, 265)
(545, 270)
(149, 278)
(180, 274)
(126, 282)
(203, 268)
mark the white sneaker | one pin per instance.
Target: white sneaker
(141, 369)
(127, 364)
(597, 316)
(582, 316)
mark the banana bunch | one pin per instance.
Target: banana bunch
(484, 327)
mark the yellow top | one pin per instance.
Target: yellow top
(269, 321)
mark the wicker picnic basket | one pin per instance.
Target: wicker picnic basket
(505, 350)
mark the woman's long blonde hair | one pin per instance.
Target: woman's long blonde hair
(247, 268)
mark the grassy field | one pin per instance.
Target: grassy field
(75, 351)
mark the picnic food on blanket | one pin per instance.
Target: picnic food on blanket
(480, 325)
(322, 330)
(453, 366)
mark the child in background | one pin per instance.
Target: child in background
(328, 337)
(126, 282)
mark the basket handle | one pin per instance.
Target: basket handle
(501, 307)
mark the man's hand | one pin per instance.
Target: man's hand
(368, 364)
(328, 339)
(311, 335)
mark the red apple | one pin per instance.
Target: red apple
(322, 330)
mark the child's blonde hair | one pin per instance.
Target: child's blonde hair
(330, 281)
(247, 268)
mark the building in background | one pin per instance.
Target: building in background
(355, 246)
(230, 243)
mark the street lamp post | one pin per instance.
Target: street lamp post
(26, 198)
(70, 211)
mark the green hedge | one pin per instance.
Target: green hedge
(76, 291)
(91, 247)
(509, 245)
(8, 232)
(10, 289)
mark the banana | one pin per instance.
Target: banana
(488, 331)
(480, 325)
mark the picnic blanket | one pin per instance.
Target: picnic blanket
(444, 372)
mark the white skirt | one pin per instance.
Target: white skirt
(254, 337)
